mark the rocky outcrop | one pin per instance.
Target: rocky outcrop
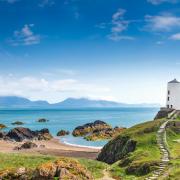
(117, 149)
(42, 120)
(43, 134)
(19, 134)
(97, 130)
(17, 123)
(26, 145)
(101, 134)
(90, 127)
(2, 135)
(62, 133)
(163, 113)
(64, 168)
(174, 126)
(140, 169)
(2, 126)
(18, 174)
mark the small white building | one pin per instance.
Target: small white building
(173, 95)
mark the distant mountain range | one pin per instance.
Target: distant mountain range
(20, 102)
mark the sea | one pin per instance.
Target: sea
(68, 119)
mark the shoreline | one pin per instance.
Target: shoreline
(81, 146)
(53, 147)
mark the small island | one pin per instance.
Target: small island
(18, 123)
(42, 120)
(98, 130)
(63, 133)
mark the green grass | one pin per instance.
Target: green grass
(95, 167)
(14, 161)
(146, 151)
(173, 140)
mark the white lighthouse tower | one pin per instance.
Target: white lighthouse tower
(173, 95)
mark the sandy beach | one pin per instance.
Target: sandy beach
(52, 147)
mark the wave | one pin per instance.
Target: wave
(83, 146)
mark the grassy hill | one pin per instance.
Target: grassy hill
(173, 140)
(146, 156)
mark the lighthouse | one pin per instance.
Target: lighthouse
(173, 95)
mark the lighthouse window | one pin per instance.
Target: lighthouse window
(168, 92)
(168, 98)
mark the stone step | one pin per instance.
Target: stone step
(157, 172)
(165, 157)
(161, 167)
(155, 175)
(163, 164)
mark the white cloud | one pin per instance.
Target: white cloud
(164, 22)
(51, 90)
(117, 37)
(119, 24)
(175, 37)
(25, 36)
(44, 3)
(157, 2)
(9, 1)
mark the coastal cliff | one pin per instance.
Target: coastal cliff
(163, 113)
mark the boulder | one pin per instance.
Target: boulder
(19, 134)
(19, 174)
(42, 120)
(42, 146)
(17, 123)
(44, 134)
(2, 135)
(64, 168)
(107, 133)
(65, 174)
(2, 126)
(117, 149)
(26, 145)
(62, 133)
(90, 127)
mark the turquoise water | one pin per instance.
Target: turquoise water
(68, 119)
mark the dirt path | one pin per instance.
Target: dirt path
(106, 175)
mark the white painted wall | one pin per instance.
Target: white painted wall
(174, 95)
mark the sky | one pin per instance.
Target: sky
(118, 50)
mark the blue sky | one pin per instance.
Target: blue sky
(116, 50)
